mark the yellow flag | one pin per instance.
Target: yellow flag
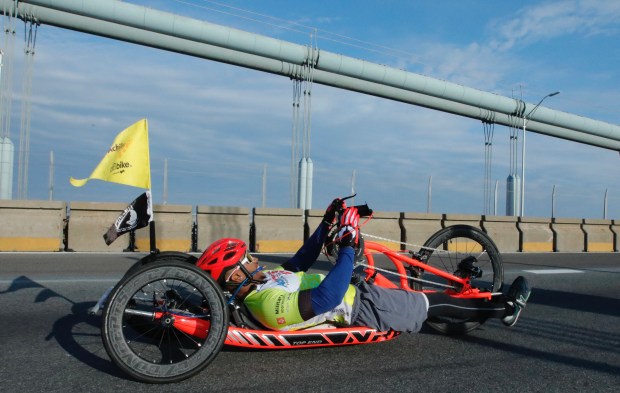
(127, 160)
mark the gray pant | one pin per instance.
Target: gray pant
(389, 309)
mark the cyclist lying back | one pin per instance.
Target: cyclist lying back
(289, 298)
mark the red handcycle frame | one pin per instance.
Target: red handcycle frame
(399, 260)
(329, 335)
(192, 321)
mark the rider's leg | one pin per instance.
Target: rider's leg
(442, 305)
(508, 307)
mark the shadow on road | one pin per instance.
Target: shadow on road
(78, 332)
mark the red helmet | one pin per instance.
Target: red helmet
(221, 255)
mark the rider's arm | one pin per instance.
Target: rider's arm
(332, 289)
(309, 252)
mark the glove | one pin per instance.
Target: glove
(334, 207)
(348, 229)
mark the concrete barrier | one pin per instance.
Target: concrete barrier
(569, 237)
(173, 229)
(88, 221)
(465, 219)
(615, 229)
(313, 218)
(503, 231)
(278, 230)
(385, 225)
(418, 227)
(216, 222)
(535, 234)
(599, 237)
(50, 226)
(32, 225)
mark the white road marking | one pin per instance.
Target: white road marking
(554, 271)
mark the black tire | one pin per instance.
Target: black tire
(169, 256)
(446, 249)
(150, 350)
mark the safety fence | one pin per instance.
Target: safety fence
(79, 226)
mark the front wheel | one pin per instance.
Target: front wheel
(169, 256)
(462, 250)
(164, 323)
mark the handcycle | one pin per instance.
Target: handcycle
(167, 320)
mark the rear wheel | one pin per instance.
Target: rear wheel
(146, 318)
(460, 250)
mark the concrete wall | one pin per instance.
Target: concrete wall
(173, 229)
(278, 230)
(503, 231)
(569, 236)
(32, 225)
(88, 221)
(462, 219)
(615, 229)
(52, 225)
(385, 225)
(536, 234)
(599, 236)
(216, 222)
(418, 227)
(465, 219)
(313, 218)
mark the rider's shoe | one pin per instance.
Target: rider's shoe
(517, 297)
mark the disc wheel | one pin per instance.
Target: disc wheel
(142, 322)
(167, 256)
(445, 250)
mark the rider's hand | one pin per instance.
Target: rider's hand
(348, 228)
(334, 207)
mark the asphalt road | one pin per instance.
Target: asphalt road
(568, 338)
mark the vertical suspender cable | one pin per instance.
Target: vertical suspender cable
(309, 77)
(6, 99)
(295, 139)
(489, 127)
(30, 36)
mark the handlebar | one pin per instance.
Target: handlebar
(363, 210)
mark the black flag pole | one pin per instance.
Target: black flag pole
(154, 249)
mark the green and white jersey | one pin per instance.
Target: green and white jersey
(275, 302)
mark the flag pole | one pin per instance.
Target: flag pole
(154, 249)
(152, 236)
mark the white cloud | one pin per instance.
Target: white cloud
(555, 19)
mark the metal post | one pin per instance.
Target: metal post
(430, 192)
(264, 202)
(526, 119)
(553, 202)
(495, 199)
(51, 185)
(605, 205)
(165, 181)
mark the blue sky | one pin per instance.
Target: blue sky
(219, 125)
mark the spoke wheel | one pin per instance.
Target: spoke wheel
(446, 250)
(141, 327)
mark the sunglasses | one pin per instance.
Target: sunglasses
(247, 259)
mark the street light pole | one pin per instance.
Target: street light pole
(526, 119)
